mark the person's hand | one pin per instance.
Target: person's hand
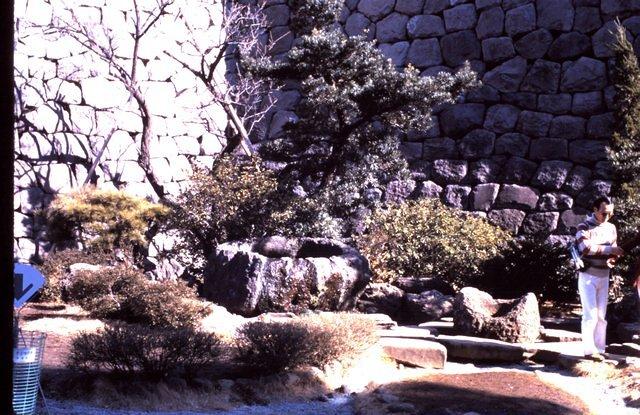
(636, 283)
(617, 251)
(611, 261)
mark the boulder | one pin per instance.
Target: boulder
(569, 45)
(285, 274)
(476, 313)
(555, 14)
(554, 103)
(479, 143)
(585, 74)
(424, 53)
(519, 170)
(417, 285)
(459, 119)
(484, 171)
(426, 306)
(381, 298)
(543, 77)
(537, 223)
(439, 148)
(509, 219)
(484, 195)
(425, 26)
(587, 19)
(449, 171)
(460, 17)
(512, 144)
(458, 47)
(415, 352)
(392, 28)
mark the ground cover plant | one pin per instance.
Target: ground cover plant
(425, 238)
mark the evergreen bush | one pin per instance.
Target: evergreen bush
(624, 150)
(530, 264)
(355, 106)
(101, 218)
(425, 238)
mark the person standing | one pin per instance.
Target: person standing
(596, 239)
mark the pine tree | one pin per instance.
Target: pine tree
(355, 105)
(624, 151)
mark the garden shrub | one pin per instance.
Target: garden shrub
(144, 351)
(270, 347)
(238, 199)
(102, 218)
(124, 293)
(425, 238)
(56, 265)
(530, 265)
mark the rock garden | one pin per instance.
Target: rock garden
(382, 226)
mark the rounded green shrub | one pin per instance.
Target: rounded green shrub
(425, 238)
(56, 265)
(124, 293)
(101, 218)
(530, 265)
(271, 347)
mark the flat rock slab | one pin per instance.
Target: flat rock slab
(441, 327)
(477, 349)
(557, 335)
(565, 323)
(415, 352)
(407, 332)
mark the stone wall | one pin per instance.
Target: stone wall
(527, 149)
(68, 101)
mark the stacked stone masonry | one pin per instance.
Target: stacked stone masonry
(526, 149)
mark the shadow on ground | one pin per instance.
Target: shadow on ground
(492, 393)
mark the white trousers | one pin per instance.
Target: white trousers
(594, 293)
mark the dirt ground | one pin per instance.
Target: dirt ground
(491, 393)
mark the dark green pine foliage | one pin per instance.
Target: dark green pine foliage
(624, 151)
(355, 106)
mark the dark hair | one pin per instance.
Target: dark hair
(596, 203)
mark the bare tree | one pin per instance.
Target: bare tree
(245, 99)
(100, 41)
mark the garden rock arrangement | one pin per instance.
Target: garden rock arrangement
(277, 273)
(476, 313)
(405, 307)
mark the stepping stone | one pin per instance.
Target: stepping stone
(415, 352)
(556, 335)
(441, 327)
(407, 332)
(625, 349)
(565, 323)
(477, 349)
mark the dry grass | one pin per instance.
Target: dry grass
(626, 379)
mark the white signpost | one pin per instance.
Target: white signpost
(26, 282)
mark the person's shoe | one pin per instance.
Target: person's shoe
(596, 357)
